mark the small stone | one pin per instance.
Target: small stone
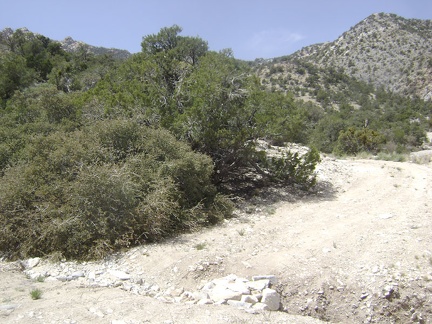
(251, 310)
(120, 274)
(190, 302)
(96, 311)
(385, 216)
(165, 299)
(126, 287)
(199, 295)
(117, 284)
(246, 264)
(155, 288)
(273, 279)
(208, 286)
(177, 292)
(239, 304)
(261, 307)
(117, 322)
(249, 299)
(31, 263)
(364, 295)
(77, 274)
(205, 301)
(9, 307)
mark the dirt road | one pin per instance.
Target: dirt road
(359, 250)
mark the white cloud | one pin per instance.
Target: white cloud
(271, 43)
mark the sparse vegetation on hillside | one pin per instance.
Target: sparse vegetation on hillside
(340, 100)
(384, 49)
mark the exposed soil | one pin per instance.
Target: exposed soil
(358, 250)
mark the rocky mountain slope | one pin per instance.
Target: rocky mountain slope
(71, 45)
(384, 49)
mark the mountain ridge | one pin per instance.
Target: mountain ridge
(71, 45)
(383, 49)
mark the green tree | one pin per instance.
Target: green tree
(173, 58)
(217, 120)
(14, 74)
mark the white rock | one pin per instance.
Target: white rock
(239, 304)
(273, 279)
(191, 302)
(385, 216)
(126, 287)
(208, 286)
(261, 306)
(9, 307)
(258, 284)
(205, 301)
(31, 263)
(271, 298)
(77, 274)
(199, 295)
(186, 295)
(118, 322)
(240, 287)
(225, 280)
(249, 299)
(177, 292)
(96, 311)
(222, 293)
(257, 296)
(246, 264)
(155, 288)
(120, 274)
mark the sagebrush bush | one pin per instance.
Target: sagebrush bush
(125, 184)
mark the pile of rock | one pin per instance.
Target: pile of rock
(254, 295)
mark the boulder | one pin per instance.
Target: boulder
(220, 293)
(271, 298)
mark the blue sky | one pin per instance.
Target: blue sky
(251, 28)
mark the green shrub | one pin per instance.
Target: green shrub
(36, 294)
(86, 193)
(293, 168)
(355, 140)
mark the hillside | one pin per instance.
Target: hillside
(385, 50)
(376, 76)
